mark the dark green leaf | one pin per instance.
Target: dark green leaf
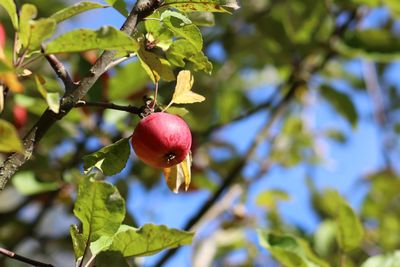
(377, 44)
(119, 5)
(78, 241)
(110, 159)
(107, 38)
(100, 208)
(289, 251)
(342, 103)
(111, 258)
(74, 10)
(9, 141)
(9, 6)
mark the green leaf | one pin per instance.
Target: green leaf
(9, 6)
(78, 241)
(289, 251)
(27, 13)
(148, 240)
(123, 83)
(270, 198)
(205, 19)
(106, 38)
(189, 32)
(182, 50)
(52, 97)
(325, 238)
(341, 102)
(9, 141)
(26, 183)
(376, 44)
(350, 230)
(204, 5)
(385, 260)
(119, 5)
(100, 208)
(180, 16)
(4, 67)
(74, 10)
(155, 67)
(110, 159)
(41, 30)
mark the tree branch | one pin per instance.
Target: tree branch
(129, 108)
(20, 258)
(73, 94)
(60, 70)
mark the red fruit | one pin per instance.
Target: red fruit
(162, 140)
(2, 36)
(20, 116)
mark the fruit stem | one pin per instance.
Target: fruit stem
(155, 96)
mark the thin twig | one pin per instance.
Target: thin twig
(129, 108)
(60, 70)
(20, 258)
(119, 61)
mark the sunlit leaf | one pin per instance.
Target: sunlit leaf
(204, 5)
(149, 239)
(27, 13)
(181, 29)
(155, 67)
(181, 52)
(9, 6)
(350, 230)
(110, 159)
(111, 258)
(384, 260)
(270, 198)
(11, 81)
(52, 97)
(9, 141)
(26, 183)
(179, 175)
(107, 38)
(183, 93)
(74, 10)
(100, 208)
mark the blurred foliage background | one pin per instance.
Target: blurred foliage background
(275, 63)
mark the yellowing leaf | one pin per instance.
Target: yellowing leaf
(11, 81)
(9, 141)
(183, 93)
(179, 174)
